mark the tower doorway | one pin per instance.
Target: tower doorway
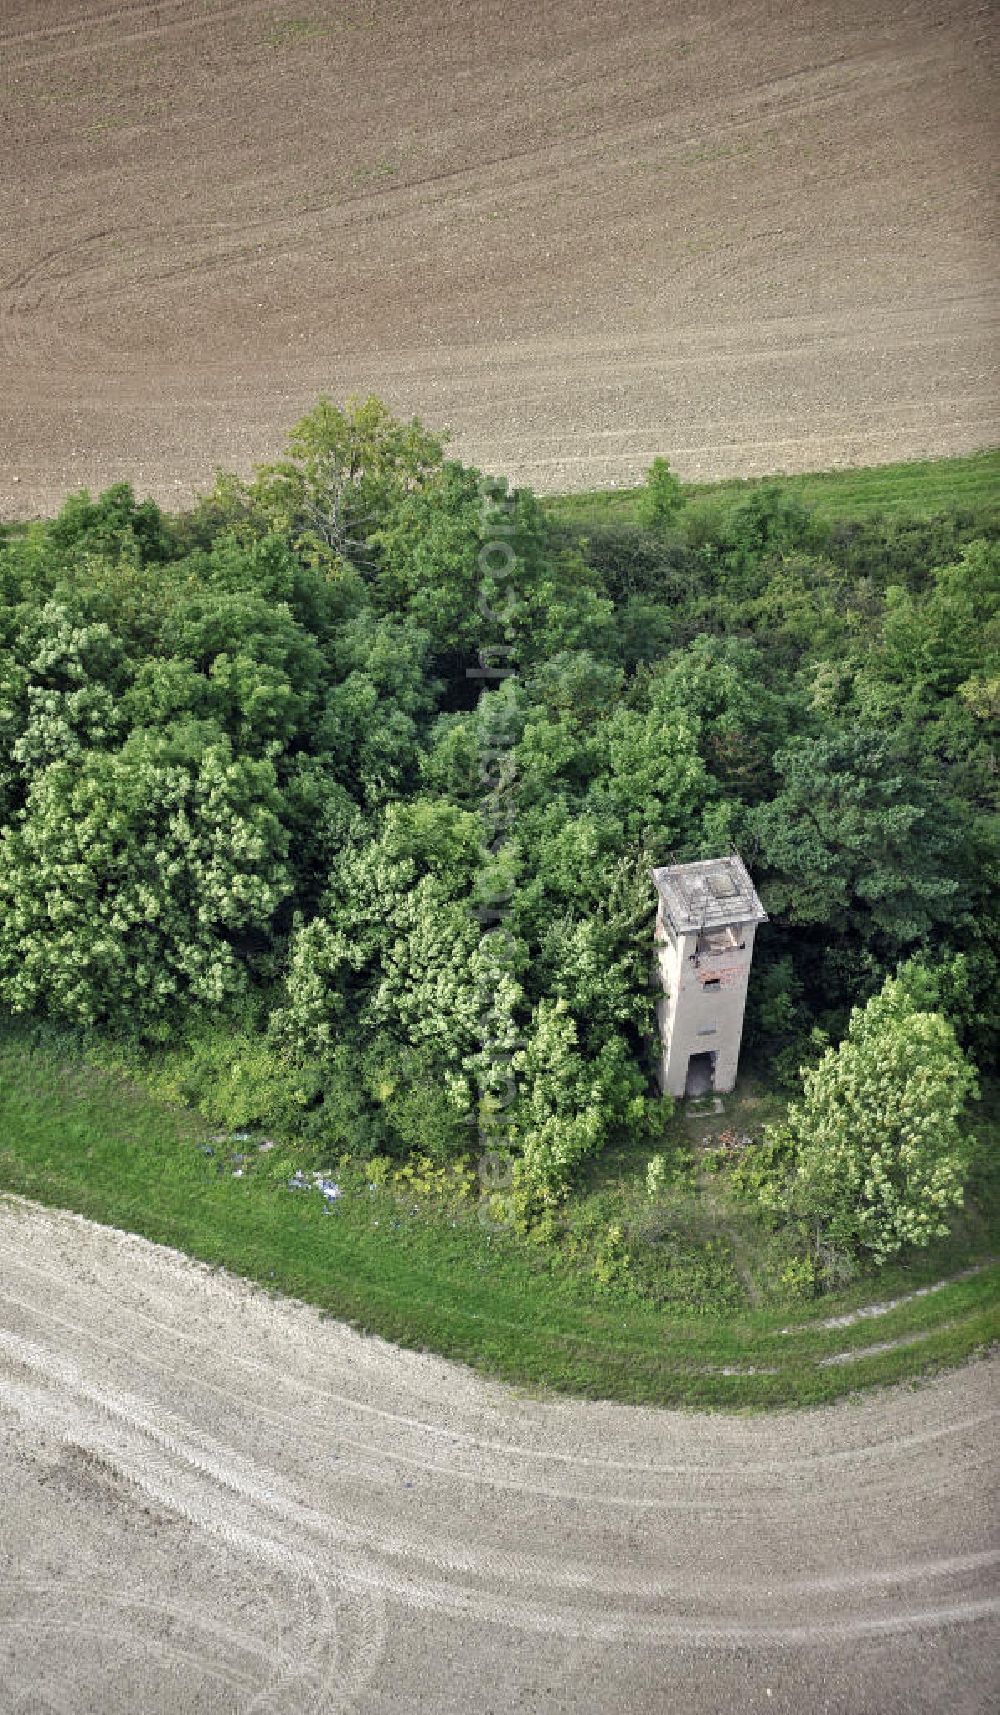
(700, 1075)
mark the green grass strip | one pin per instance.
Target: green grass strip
(917, 488)
(75, 1137)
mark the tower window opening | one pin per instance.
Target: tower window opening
(722, 940)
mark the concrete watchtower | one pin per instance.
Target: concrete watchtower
(707, 918)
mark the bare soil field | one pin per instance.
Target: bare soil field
(750, 236)
(217, 1500)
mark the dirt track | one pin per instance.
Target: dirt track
(751, 236)
(218, 1501)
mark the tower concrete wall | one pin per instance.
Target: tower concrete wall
(705, 928)
(701, 1011)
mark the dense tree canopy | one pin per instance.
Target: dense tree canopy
(258, 760)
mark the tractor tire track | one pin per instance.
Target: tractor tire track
(277, 1513)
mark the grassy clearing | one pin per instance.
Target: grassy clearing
(433, 1276)
(915, 489)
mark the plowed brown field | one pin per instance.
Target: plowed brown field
(751, 236)
(215, 1502)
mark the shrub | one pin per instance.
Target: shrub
(612, 1265)
(797, 1280)
(657, 1174)
(880, 1154)
(663, 497)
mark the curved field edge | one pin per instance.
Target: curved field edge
(81, 1139)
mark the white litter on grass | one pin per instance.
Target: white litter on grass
(315, 1181)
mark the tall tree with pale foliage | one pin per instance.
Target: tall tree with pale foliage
(881, 1156)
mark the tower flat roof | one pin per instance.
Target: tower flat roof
(706, 894)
